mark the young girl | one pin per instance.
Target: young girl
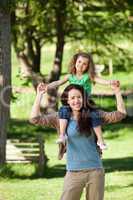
(82, 72)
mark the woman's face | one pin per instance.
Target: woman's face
(81, 64)
(75, 99)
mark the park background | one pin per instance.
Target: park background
(38, 39)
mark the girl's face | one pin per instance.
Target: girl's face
(75, 99)
(81, 64)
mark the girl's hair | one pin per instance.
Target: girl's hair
(90, 69)
(84, 121)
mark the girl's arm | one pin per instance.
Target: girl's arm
(105, 82)
(58, 83)
(98, 132)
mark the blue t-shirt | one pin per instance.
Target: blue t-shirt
(81, 150)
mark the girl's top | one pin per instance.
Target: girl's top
(84, 81)
(82, 151)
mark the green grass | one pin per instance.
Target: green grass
(21, 182)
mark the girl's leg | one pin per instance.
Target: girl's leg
(95, 185)
(62, 138)
(63, 127)
(62, 150)
(64, 116)
(100, 140)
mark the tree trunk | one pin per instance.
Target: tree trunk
(5, 77)
(30, 61)
(60, 11)
(37, 57)
(30, 55)
(57, 66)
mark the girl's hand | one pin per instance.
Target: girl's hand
(115, 83)
(41, 88)
(116, 87)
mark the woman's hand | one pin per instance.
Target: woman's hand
(41, 88)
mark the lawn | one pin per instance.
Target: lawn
(20, 181)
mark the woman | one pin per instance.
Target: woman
(84, 166)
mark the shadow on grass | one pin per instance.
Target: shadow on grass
(117, 130)
(58, 171)
(22, 129)
(118, 164)
(8, 171)
(112, 188)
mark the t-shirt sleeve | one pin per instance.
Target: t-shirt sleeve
(95, 119)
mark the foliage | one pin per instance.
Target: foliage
(102, 24)
(7, 5)
(105, 27)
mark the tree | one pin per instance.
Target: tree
(60, 26)
(5, 77)
(30, 30)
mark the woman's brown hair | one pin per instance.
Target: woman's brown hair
(91, 67)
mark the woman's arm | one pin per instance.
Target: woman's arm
(58, 83)
(115, 116)
(120, 103)
(35, 112)
(36, 118)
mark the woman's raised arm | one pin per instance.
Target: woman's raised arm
(35, 112)
(120, 103)
(36, 118)
(119, 114)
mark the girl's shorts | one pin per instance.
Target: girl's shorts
(64, 112)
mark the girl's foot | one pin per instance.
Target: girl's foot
(62, 140)
(102, 146)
